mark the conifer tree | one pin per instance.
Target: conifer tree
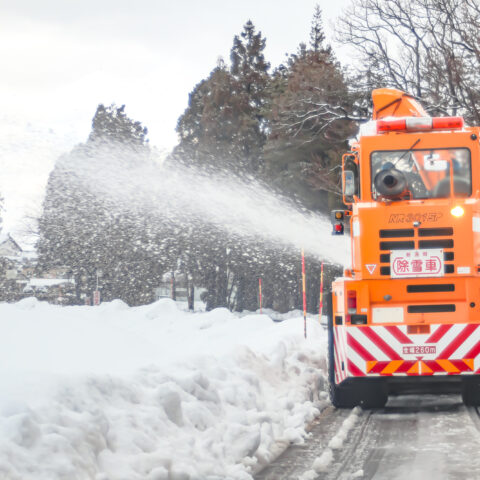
(82, 225)
(224, 124)
(250, 69)
(249, 66)
(223, 130)
(317, 36)
(111, 124)
(209, 128)
(309, 124)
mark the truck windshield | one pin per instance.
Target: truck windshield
(421, 173)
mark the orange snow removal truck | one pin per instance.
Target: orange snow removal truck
(408, 310)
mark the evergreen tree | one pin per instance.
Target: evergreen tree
(226, 120)
(223, 130)
(216, 129)
(317, 36)
(249, 66)
(83, 225)
(310, 122)
(111, 125)
(250, 69)
(224, 125)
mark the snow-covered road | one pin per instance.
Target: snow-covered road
(414, 437)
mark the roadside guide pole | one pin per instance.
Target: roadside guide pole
(304, 296)
(260, 294)
(320, 305)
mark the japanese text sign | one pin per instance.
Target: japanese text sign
(416, 263)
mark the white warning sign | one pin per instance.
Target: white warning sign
(416, 263)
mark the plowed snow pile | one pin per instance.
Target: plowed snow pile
(151, 392)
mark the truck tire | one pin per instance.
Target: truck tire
(471, 391)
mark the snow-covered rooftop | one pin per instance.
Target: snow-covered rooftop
(44, 283)
(48, 282)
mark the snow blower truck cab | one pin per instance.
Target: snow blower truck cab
(409, 308)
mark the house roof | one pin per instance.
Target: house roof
(6, 237)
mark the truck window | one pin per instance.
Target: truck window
(422, 173)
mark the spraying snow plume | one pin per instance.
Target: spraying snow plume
(243, 207)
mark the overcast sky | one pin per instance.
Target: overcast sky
(60, 58)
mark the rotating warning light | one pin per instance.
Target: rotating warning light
(457, 211)
(418, 124)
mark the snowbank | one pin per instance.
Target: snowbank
(152, 392)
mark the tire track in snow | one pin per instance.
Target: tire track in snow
(294, 461)
(417, 437)
(414, 437)
(474, 413)
(349, 446)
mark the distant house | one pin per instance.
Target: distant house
(60, 291)
(176, 286)
(8, 246)
(57, 272)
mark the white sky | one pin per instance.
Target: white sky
(60, 58)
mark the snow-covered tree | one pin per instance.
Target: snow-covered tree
(84, 226)
(112, 125)
(310, 120)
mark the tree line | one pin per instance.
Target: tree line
(285, 127)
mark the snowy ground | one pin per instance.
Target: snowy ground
(152, 392)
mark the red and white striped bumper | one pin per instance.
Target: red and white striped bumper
(369, 351)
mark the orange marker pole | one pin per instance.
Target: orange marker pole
(304, 296)
(320, 305)
(260, 294)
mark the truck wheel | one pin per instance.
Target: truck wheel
(471, 391)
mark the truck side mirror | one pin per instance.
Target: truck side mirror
(349, 189)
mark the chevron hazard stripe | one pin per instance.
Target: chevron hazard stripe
(452, 349)
(340, 357)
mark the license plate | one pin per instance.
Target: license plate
(420, 350)
(416, 263)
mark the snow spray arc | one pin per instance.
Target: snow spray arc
(243, 207)
(218, 231)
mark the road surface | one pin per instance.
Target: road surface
(415, 437)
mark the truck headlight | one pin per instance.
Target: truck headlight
(457, 211)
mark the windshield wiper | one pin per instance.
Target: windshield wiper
(407, 151)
